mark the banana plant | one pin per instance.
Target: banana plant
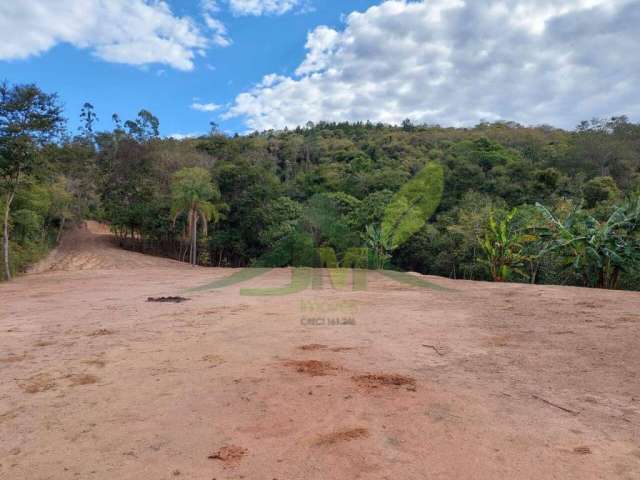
(597, 252)
(380, 245)
(502, 247)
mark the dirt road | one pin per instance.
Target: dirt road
(480, 381)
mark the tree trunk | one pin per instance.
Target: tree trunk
(190, 226)
(5, 235)
(60, 231)
(307, 158)
(194, 239)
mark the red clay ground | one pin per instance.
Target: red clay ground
(486, 381)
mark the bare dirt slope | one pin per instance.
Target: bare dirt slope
(481, 381)
(93, 247)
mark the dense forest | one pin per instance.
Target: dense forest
(526, 204)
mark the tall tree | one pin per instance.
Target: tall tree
(29, 119)
(144, 128)
(194, 194)
(88, 118)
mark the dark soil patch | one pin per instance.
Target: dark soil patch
(314, 368)
(100, 332)
(230, 455)
(342, 436)
(95, 363)
(590, 304)
(38, 383)
(168, 299)
(582, 450)
(215, 360)
(13, 358)
(384, 380)
(82, 379)
(10, 415)
(342, 349)
(313, 347)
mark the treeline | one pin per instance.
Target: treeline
(531, 204)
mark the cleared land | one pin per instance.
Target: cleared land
(481, 381)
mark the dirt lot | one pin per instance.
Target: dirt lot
(480, 381)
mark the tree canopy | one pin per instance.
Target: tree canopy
(288, 195)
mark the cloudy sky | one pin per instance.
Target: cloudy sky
(261, 64)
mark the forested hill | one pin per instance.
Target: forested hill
(273, 198)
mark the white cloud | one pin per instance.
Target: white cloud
(320, 44)
(135, 32)
(218, 29)
(262, 7)
(205, 107)
(210, 6)
(456, 62)
(182, 136)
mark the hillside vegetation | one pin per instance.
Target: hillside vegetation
(529, 204)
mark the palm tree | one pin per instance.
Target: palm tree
(195, 194)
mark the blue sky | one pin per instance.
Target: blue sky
(261, 45)
(261, 64)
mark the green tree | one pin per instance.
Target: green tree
(413, 205)
(144, 128)
(606, 148)
(281, 218)
(464, 230)
(88, 118)
(61, 202)
(29, 119)
(600, 189)
(193, 193)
